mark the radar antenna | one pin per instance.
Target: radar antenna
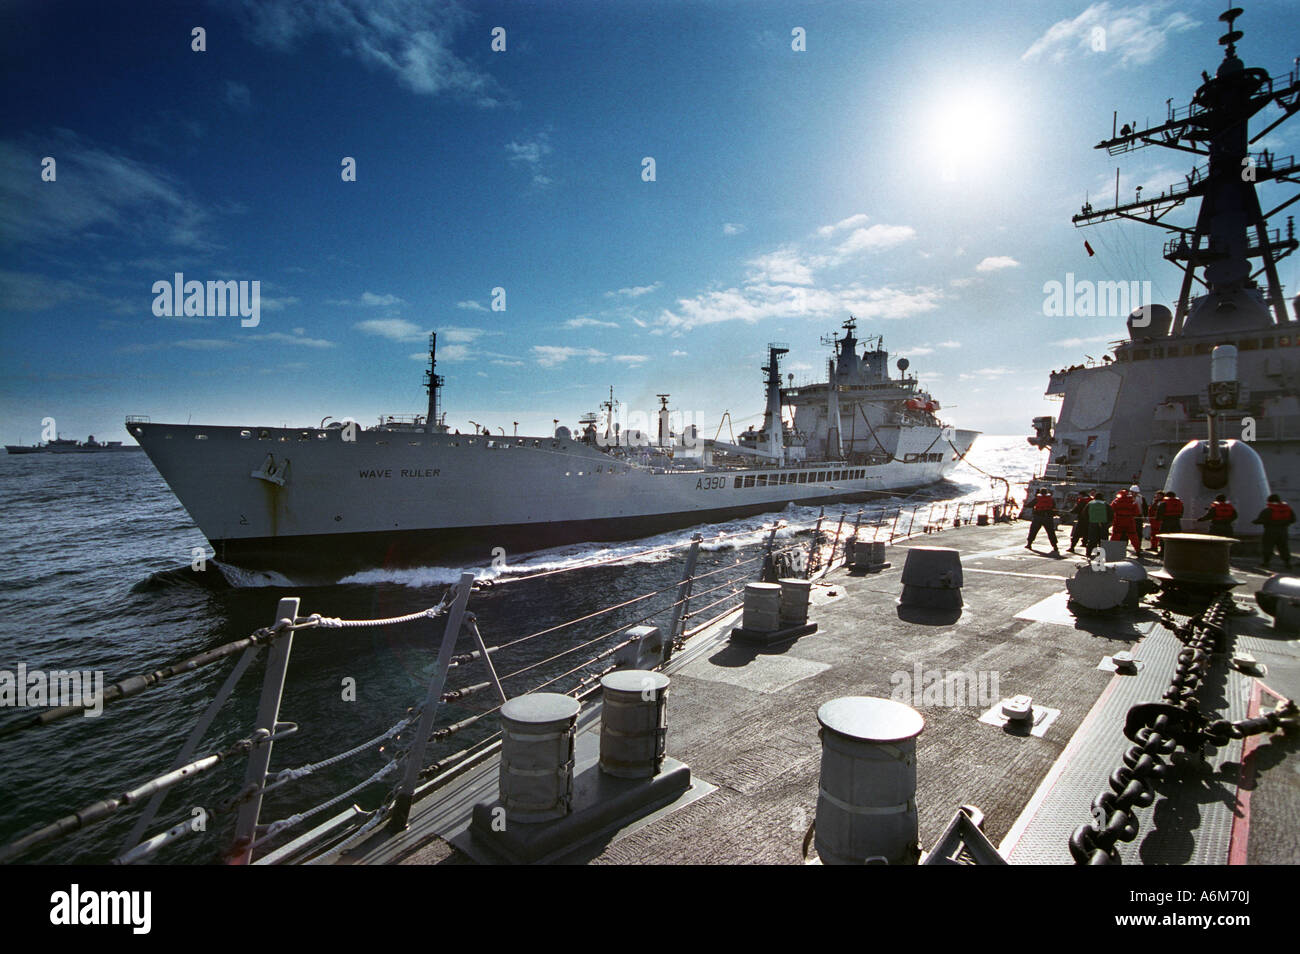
(1231, 229)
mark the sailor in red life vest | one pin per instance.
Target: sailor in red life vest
(1138, 499)
(1125, 526)
(1276, 517)
(1221, 514)
(1170, 512)
(1044, 505)
(1153, 518)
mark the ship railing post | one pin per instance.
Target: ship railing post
(768, 564)
(894, 529)
(682, 605)
(813, 551)
(911, 522)
(268, 720)
(415, 755)
(830, 564)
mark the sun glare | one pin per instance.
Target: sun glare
(966, 135)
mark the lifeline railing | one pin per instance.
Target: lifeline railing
(406, 757)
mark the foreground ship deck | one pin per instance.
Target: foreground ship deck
(745, 721)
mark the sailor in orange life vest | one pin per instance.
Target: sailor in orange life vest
(1044, 511)
(1153, 518)
(1170, 513)
(1125, 526)
(1221, 514)
(1080, 511)
(1276, 517)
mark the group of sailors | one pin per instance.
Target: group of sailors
(1124, 514)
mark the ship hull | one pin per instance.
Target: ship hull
(308, 501)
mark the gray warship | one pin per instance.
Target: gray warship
(1125, 420)
(409, 490)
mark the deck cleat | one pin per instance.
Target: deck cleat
(1018, 708)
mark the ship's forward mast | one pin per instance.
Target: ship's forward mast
(1231, 228)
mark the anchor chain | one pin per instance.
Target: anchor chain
(1157, 730)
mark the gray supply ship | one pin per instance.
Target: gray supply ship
(66, 445)
(407, 491)
(1127, 419)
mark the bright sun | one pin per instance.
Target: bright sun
(966, 132)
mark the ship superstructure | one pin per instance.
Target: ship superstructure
(1123, 420)
(410, 490)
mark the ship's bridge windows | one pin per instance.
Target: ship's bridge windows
(200, 437)
(381, 442)
(321, 435)
(821, 477)
(1248, 344)
(1141, 354)
(263, 435)
(803, 478)
(1206, 347)
(245, 434)
(537, 443)
(1263, 343)
(739, 482)
(414, 443)
(749, 481)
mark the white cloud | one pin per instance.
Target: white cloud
(470, 306)
(368, 300)
(948, 344)
(732, 228)
(530, 151)
(1077, 342)
(277, 304)
(995, 262)
(985, 374)
(395, 329)
(461, 335)
(784, 266)
(550, 356)
(770, 300)
(297, 339)
(1137, 35)
(917, 352)
(631, 358)
(97, 191)
(634, 291)
(409, 39)
(877, 238)
(851, 222)
(589, 323)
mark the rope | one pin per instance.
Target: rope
(276, 827)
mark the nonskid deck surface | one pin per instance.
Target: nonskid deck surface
(744, 719)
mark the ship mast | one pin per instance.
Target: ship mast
(1230, 229)
(772, 426)
(433, 384)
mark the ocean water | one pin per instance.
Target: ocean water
(95, 574)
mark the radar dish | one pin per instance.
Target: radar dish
(562, 433)
(903, 364)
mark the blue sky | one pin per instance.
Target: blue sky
(916, 165)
